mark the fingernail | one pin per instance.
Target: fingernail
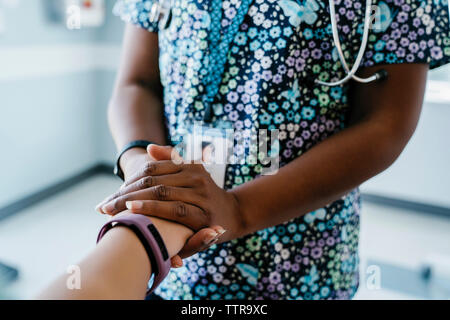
(123, 186)
(219, 235)
(222, 232)
(210, 238)
(178, 265)
(134, 205)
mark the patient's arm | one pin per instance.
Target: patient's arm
(119, 267)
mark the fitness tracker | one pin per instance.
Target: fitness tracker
(134, 144)
(150, 239)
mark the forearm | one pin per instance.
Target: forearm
(135, 113)
(320, 176)
(136, 107)
(119, 267)
(384, 117)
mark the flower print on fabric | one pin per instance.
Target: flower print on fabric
(280, 48)
(299, 12)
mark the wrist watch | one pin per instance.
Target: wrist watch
(134, 144)
(150, 238)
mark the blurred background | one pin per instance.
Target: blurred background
(56, 77)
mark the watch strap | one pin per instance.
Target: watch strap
(134, 144)
(150, 238)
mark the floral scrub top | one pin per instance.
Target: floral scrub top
(280, 47)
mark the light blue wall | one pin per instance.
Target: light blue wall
(51, 127)
(106, 147)
(422, 173)
(46, 132)
(112, 31)
(27, 24)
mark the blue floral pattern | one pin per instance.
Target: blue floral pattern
(279, 48)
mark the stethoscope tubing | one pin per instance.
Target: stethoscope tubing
(351, 74)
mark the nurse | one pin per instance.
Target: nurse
(293, 234)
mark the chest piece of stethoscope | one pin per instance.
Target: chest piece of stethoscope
(161, 12)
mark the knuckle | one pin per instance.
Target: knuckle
(204, 180)
(149, 168)
(201, 180)
(161, 192)
(203, 193)
(180, 209)
(146, 182)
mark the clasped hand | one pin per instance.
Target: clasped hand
(180, 192)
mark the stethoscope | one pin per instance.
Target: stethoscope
(161, 11)
(351, 73)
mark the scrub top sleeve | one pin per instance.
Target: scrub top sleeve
(136, 12)
(410, 31)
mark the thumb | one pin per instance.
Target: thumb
(201, 241)
(160, 153)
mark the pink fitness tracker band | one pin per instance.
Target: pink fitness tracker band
(151, 240)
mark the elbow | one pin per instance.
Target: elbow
(392, 143)
(390, 151)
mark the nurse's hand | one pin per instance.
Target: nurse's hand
(139, 194)
(184, 193)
